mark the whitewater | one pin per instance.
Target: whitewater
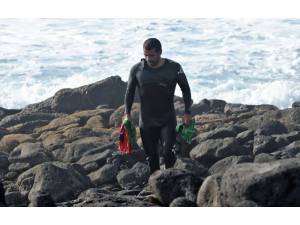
(249, 61)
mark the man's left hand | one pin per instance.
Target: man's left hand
(187, 119)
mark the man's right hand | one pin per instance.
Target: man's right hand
(127, 116)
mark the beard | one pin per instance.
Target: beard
(153, 63)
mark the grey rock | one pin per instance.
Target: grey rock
(21, 118)
(101, 149)
(216, 105)
(271, 127)
(202, 107)
(265, 107)
(3, 132)
(90, 167)
(259, 117)
(245, 136)
(231, 108)
(182, 202)
(60, 180)
(95, 197)
(109, 91)
(192, 166)
(16, 199)
(284, 139)
(75, 150)
(172, 183)
(78, 168)
(58, 154)
(42, 199)
(115, 119)
(295, 104)
(32, 153)
(11, 175)
(105, 175)
(222, 165)
(264, 144)
(127, 161)
(6, 112)
(98, 158)
(27, 127)
(4, 161)
(291, 116)
(247, 203)
(209, 194)
(205, 106)
(132, 192)
(265, 157)
(182, 148)
(19, 167)
(289, 151)
(266, 184)
(216, 134)
(212, 150)
(137, 176)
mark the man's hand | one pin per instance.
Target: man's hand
(127, 116)
(187, 119)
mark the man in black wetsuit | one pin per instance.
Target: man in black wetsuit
(156, 78)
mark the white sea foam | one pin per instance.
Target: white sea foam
(242, 61)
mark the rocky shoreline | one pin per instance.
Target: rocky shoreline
(63, 152)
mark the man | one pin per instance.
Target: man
(156, 79)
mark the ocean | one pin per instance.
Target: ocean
(249, 61)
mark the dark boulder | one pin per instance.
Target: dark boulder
(289, 151)
(32, 153)
(105, 175)
(6, 112)
(216, 134)
(42, 199)
(98, 158)
(295, 104)
(231, 108)
(127, 161)
(22, 118)
(266, 184)
(172, 183)
(265, 157)
(271, 127)
(210, 151)
(4, 163)
(222, 165)
(96, 197)
(264, 144)
(60, 180)
(209, 194)
(16, 199)
(192, 166)
(109, 91)
(182, 202)
(245, 136)
(135, 177)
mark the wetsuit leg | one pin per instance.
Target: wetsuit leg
(168, 138)
(150, 137)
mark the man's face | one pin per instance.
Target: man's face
(152, 57)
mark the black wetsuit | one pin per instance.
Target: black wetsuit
(157, 119)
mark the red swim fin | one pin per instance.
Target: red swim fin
(124, 144)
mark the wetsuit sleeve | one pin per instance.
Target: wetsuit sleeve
(130, 91)
(186, 91)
